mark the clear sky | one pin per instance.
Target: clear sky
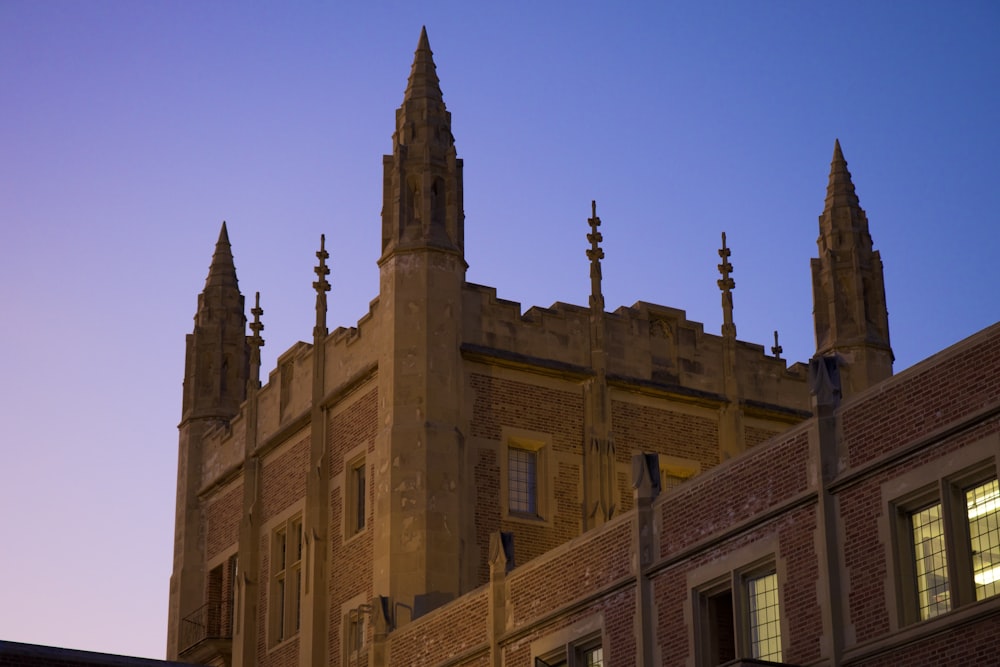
(130, 130)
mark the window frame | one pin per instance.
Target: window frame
(736, 583)
(356, 499)
(284, 600)
(539, 444)
(949, 491)
(567, 647)
(573, 653)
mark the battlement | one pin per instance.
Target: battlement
(645, 342)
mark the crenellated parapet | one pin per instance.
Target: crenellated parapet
(646, 344)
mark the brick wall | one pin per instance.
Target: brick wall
(349, 566)
(929, 396)
(448, 631)
(283, 478)
(642, 428)
(503, 403)
(976, 644)
(223, 520)
(578, 569)
(745, 487)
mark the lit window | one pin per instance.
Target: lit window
(522, 476)
(765, 619)
(739, 617)
(286, 580)
(983, 508)
(949, 553)
(930, 561)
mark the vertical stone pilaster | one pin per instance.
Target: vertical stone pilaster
(248, 556)
(501, 562)
(600, 484)
(831, 457)
(731, 434)
(315, 613)
(646, 488)
(378, 652)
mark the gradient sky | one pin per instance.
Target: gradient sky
(130, 130)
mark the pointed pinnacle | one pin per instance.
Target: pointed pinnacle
(222, 272)
(840, 190)
(423, 81)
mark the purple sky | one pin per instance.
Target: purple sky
(130, 130)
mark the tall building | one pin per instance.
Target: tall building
(453, 482)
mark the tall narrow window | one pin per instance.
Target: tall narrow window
(286, 588)
(983, 509)
(523, 481)
(359, 495)
(931, 561)
(355, 502)
(765, 621)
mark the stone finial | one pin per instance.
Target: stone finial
(726, 284)
(256, 341)
(595, 254)
(322, 286)
(776, 349)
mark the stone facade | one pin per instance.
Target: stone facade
(454, 482)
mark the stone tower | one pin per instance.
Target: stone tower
(216, 369)
(419, 446)
(848, 289)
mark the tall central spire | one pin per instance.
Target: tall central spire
(422, 179)
(848, 287)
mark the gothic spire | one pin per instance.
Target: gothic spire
(423, 81)
(218, 352)
(222, 272)
(840, 189)
(422, 194)
(849, 308)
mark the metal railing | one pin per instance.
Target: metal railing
(206, 622)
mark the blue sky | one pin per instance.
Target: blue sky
(130, 130)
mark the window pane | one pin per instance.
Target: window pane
(359, 500)
(931, 562)
(280, 549)
(765, 619)
(594, 657)
(983, 506)
(522, 467)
